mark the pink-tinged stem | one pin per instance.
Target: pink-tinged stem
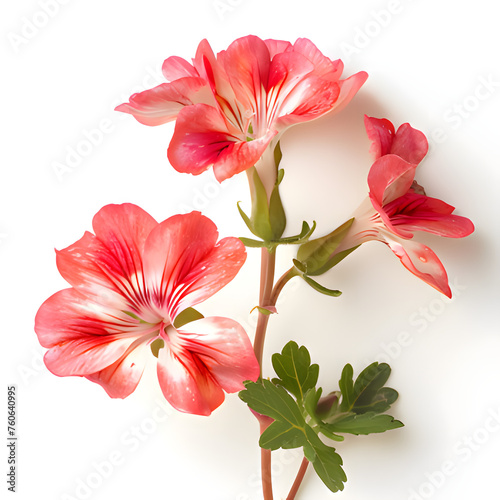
(265, 468)
(298, 480)
(268, 261)
(268, 297)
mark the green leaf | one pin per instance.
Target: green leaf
(367, 394)
(327, 463)
(379, 403)
(321, 288)
(273, 401)
(294, 369)
(366, 423)
(346, 385)
(311, 401)
(186, 316)
(316, 254)
(327, 432)
(282, 435)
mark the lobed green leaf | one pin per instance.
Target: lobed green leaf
(294, 369)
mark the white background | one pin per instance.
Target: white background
(433, 64)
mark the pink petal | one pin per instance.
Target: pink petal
(415, 212)
(82, 336)
(323, 66)
(175, 67)
(381, 133)
(121, 378)
(348, 89)
(277, 46)
(311, 98)
(410, 144)
(246, 62)
(390, 177)
(422, 262)
(240, 156)
(224, 348)
(163, 103)
(186, 383)
(113, 255)
(183, 271)
(201, 359)
(206, 64)
(202, 138)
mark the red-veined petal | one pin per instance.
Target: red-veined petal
(416, 212)
(163, 103)
(421, 261)
(186, 383)
(83, 337)
(246, 62)
(224, 348)
(202, 138)
(185, 265)
(120, 379)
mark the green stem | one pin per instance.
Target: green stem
(298, 480)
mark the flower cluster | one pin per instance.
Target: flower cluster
(228, 108)
(134, 282)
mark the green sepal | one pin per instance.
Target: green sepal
(264, 310)
(321, 288)
(277, 215)
(258, 222)
(294, 369)
(298, 239)
(278, 155)
(316, 254)
(249, 242)
(156, 345)
(186, 316)
(260, 211)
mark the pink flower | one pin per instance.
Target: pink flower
(231, 106)
(130, 282)
(397, 206)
